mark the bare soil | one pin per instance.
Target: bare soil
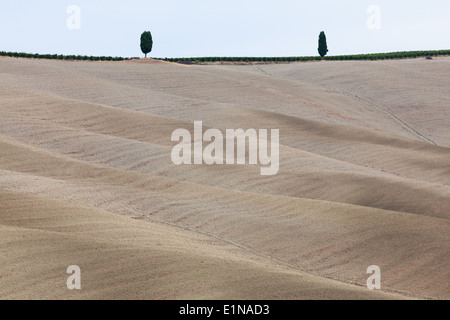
(86, 179)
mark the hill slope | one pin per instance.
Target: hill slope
(87, 179)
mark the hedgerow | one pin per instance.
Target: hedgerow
(372, 56)
(198, 60)
(58, 56)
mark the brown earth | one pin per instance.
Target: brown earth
(87, 179)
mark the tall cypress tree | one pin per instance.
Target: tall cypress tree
(323, 48)
(146, 42)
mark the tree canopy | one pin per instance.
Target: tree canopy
(323, 48)
(146, 42)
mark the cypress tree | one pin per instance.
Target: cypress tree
(323, 48)
(146, 42)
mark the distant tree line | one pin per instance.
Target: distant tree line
(59, 56)
(372, 56)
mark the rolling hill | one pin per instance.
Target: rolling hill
(87, 179)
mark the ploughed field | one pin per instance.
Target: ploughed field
(87, 179)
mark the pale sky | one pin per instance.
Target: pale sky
(199, 28)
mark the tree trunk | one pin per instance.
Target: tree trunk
(146, 55)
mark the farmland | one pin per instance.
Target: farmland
(87, 179)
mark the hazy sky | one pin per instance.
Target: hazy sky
(187, 28)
